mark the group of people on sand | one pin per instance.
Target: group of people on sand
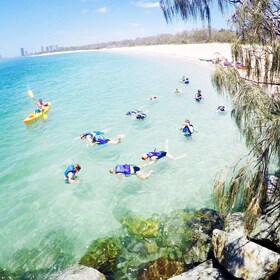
(123, 170)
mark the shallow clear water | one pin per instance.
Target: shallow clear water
(91, 91)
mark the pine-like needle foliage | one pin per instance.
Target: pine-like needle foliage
(254, 90)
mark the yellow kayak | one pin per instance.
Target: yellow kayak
(34, 116)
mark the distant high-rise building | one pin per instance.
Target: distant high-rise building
(47, 49)
(22, 52)
(42, 49)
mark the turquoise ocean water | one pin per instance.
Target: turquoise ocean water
(93, 91)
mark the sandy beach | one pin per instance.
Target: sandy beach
(187, 51)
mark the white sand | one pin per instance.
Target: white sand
(188, 51)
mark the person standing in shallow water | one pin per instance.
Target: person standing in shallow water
(70, 172)
(187, 128)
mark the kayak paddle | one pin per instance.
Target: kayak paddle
(30, 93)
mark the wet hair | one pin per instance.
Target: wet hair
(112, 170)
(78, 167)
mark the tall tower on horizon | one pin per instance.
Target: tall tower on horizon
(22, 52)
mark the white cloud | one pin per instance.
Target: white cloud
(135, 24)
(144, 4)
(102, 10)
(84, 11)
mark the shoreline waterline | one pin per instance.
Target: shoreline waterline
(185, 51)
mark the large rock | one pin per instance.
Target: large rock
(202, 271)
(80, 272)
(267, 228)
(243, 258)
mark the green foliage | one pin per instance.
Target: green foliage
(257, 116)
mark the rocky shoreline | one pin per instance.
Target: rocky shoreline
(187, 245)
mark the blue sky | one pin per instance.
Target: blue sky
(34, 23)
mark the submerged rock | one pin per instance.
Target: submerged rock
(102, 255)
(160, 269)
(141, 227)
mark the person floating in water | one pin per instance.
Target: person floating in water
(102, 141)
(88, 136)
(155, 156)
(126, 170)
(70, 172)
(198, 96)
(41, 106)
(137, 114)
(177, 90)
(152, 98)
(221, 108)
(187, 128)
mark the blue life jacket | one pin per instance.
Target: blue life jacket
(159, 155)
(187, 131)
(70, 168)
(101, 141)
(123, 168)
(97, 132)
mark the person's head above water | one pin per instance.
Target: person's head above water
(144, 156)
(77, 167)
(112, 170)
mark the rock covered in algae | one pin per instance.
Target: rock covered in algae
(55, 251)
(140, 226)
(160, 269)
(102, 255)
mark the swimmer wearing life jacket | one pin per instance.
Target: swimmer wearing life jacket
(102, 141)
(128, 169)
(198, 96)
(139, 115)
(88, 136)
(70, 172)
(221, 108)
(155, 156)
(187, 128)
